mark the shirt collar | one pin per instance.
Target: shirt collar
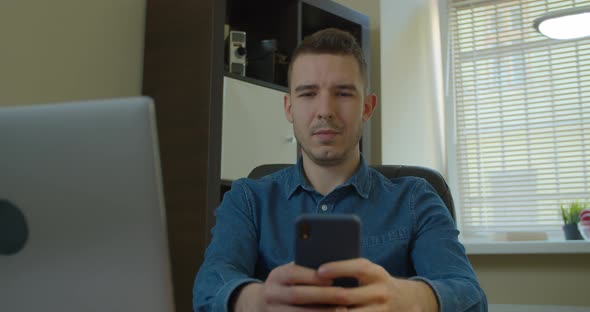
(360, 180)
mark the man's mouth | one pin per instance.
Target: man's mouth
(326, 134)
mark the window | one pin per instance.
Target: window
(522, 116)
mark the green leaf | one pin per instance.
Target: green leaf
(563, 214)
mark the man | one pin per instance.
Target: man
(412, 260)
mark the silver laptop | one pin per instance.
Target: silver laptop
(82, 218)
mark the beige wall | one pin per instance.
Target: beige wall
(371, 8)
(534, 279)
(63, 50)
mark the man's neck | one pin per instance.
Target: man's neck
(324, 179)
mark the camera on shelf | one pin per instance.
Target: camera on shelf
(237, 52)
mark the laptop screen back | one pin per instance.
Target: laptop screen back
(86, 178)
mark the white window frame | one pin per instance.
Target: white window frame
(453, 177)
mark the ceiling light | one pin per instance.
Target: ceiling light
(565, 24)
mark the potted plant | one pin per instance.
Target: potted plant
(571, 216)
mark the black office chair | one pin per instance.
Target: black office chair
(389, 171)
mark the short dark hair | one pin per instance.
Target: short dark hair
(331, 41)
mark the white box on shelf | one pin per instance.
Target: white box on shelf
(254, 130)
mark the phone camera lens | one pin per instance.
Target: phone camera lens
(304, 231)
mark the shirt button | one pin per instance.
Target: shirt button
(324, 207)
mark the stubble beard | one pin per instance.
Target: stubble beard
(329, 158)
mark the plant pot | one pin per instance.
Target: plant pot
(571, 232)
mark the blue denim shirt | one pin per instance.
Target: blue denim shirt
(406, 228)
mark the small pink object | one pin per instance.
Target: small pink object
(584, 224)
(585, 217)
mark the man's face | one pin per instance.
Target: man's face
(327, 106)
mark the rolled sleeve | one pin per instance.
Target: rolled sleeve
(451, 277)
(222, 298)
(451, 296)
(230, 258)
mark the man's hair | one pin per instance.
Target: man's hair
(331, 41)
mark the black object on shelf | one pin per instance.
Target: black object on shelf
(265, 62)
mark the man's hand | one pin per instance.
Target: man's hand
(377, 290)
(288, 288)
(294, 288)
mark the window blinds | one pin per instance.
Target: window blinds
(522, 104)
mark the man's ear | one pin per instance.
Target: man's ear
(369, 106)
(287, 107)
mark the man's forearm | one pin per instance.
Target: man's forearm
(246, 298)
(423, 296)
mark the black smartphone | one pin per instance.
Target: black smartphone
(326, 238)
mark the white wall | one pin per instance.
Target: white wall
(411, 85)
(70, 49)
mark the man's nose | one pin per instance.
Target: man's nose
(326, 106)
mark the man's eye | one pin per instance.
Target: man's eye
(306, 94)
(343, 94)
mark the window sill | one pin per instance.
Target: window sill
(535, 308)
(526, 247)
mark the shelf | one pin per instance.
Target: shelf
(274, 28)
(257, 82)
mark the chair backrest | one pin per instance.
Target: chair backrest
(389, 171)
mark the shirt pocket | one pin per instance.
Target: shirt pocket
(389, 250)
(392, 236)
